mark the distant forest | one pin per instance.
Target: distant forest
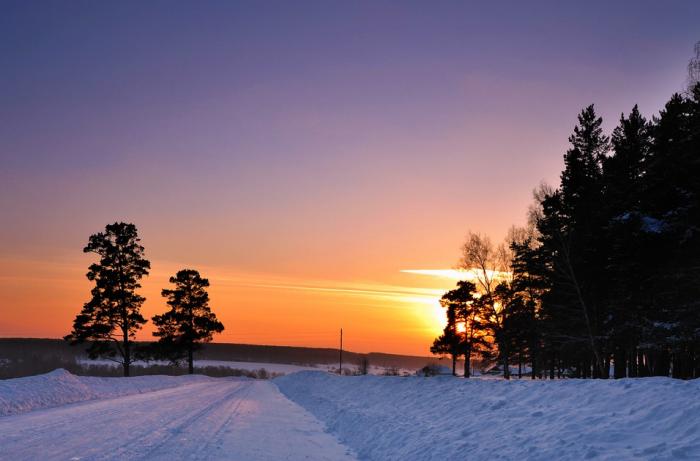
(30, 356)
(604, 281)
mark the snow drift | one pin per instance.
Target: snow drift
(391, 418)
(61, 387)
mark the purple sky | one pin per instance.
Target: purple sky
(310, 139)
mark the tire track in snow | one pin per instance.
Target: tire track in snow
(179, 427)
(233, 410)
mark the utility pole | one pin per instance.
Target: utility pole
(340, 369)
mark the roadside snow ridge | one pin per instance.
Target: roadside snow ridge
(61, 387)
(445, 418)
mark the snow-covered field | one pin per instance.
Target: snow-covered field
(282, 368)
(196, 418)
(443, 418)
(277, 368)
(313, 415)
(254, 366)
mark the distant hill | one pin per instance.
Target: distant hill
(28, 348)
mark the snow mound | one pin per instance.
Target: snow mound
(61, 387)
(392, 418)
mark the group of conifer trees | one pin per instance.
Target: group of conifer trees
(110, 320)
(605, 281)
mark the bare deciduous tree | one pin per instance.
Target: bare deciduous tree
(480, 258)
(534, 211)
(694, 69)
(490, 266)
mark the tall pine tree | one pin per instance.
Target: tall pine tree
(110, 320)
(570, 234)
(627, 268)
(190, 321)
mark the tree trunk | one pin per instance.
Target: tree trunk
(190, 359)
(662, 364)
(676, 368)
(620, 363)
(551, 371)
(642, 365)
(606, 367)
(520, 364)
(127, 352)
(454, 364)
(632, 363)
(506, 363)
(467, 363)
(597, 373)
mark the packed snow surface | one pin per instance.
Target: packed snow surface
(196, 418)
(446, 418)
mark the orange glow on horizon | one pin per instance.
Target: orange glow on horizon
(255, 308)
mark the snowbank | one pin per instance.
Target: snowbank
(60, 387)
(390, 418)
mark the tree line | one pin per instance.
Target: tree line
(109, 321)
(604, 281)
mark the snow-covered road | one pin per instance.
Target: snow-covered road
(218, 419)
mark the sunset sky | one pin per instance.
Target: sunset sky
(301, 155)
